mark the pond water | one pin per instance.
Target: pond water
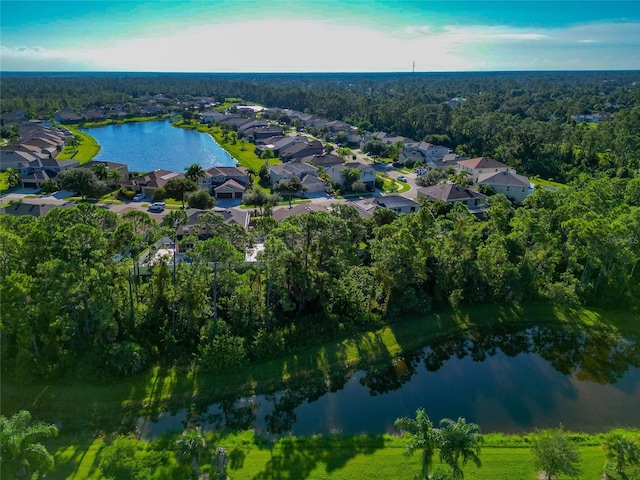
(146, 146)
(512, 381)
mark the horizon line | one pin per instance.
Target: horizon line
(407, 72)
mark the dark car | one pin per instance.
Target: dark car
(370, 188)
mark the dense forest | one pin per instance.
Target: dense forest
(72, 305)
(522, 119)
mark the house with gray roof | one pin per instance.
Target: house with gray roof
(37, 171)
(281, 213)
(313, 184)
(285, 171)
(514, 186)
(15, 158)
(33, 209)
(397, 203)
(301, 150)
(449, 192)
(367, 172)
(324, 160)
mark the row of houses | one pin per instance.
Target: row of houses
(481, 171)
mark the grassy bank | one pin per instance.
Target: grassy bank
(243, 153)
(122, 121)
(332, 457)
(117, 403)
(86, 149)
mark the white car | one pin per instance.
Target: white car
(138, 197)
(402, 178)
(157, 206)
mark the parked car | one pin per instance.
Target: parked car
(371, 188)
(402, 178)
(157, 206)
(138, 197)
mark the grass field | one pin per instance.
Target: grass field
(123, 121)
(331, 457)
(86, 149)
(4, 184)
(549, 184)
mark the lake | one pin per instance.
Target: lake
(147, 146)
(510, 381)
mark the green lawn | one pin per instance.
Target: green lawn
(332, 457)
(550, 184)
(243, 153)
(122, 121)
(4, 184)
(87, 147)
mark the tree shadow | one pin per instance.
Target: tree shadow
(298, 458)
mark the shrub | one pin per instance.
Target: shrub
(267, 344)
(159, 194)
(126, 358)
(125, 193)
(223, 353)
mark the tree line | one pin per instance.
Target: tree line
(522, 119)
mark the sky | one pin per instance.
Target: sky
(318, 35)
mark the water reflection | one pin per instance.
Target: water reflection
(506, 380)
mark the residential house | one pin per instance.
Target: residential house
(313, 184)
(300, 150)
(218, 176)
(67, 116)
(281, 213)
(477, 166)
(212, 116)
(14, 118)
(15, 159)
(261, 133)
(196, 225)
(514, 186)
(450, 193)
(285, 171)
(229, 189)
(324, 160)
(33, 209)
(246, 129)
(367, 172)
(397, 203)
(151, 181)
(121, 168)
(37, 171)
(280, 143)
(428, 150)
(94, 115)
(365, 207)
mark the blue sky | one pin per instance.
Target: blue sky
(318, 36)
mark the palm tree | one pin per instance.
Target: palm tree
(101, 171)
(194, 172)
(191, 445)
(620, 451)
(425, 438)
(115, 176)
(459, 439)
(22, 454)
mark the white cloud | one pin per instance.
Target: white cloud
(311, 45)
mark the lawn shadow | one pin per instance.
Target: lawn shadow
(298, 458)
